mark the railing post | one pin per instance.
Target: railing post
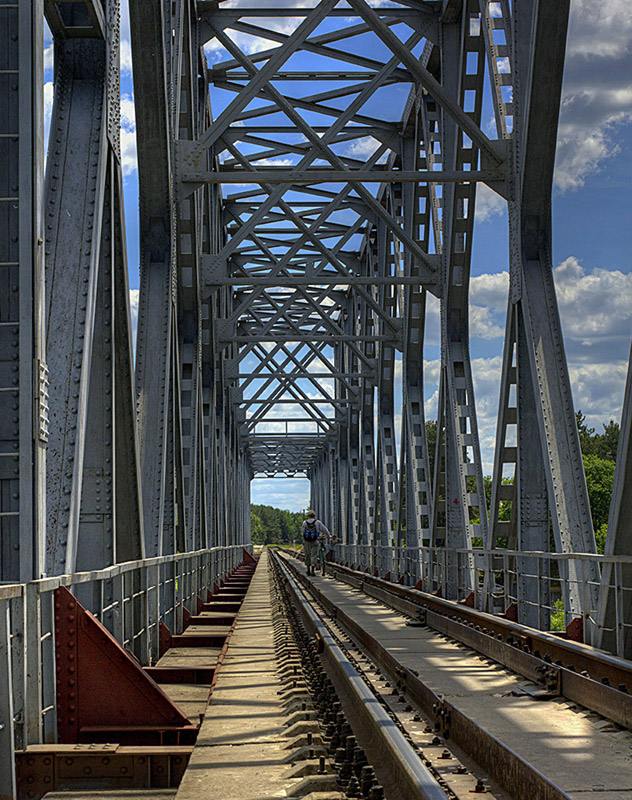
(7, 739)
(619, 613)
(33, 665)
(153, 613)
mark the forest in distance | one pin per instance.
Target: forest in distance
(272, 525)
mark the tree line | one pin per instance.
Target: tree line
(271, 525)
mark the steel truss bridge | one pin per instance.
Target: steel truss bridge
(308, 174)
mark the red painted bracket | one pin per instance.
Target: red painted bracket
(511, 612)
(186, 617)
(468, 601)
(248, 559)
(98, 683)
(164, 639)
(575, 630)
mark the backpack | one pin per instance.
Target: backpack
(310, 534)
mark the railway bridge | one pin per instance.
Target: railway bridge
(308, 176)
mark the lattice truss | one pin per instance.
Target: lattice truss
(308, 174)
(347, 143)
(348, 171)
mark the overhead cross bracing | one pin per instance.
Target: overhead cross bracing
(347, 156)
(320, 305)
(340, 153)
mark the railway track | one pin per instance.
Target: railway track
(578, 672)
(345, 687)
(555, 728)
(408, 757)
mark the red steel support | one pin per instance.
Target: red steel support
(99, 684)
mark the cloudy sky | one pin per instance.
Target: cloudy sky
(592, 232)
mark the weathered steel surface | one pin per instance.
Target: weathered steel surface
(99, 684)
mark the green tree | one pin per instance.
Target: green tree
(599, 479)
(609, 441)
(599, 453)
(603, 444)
(586, 434)
(271, 525)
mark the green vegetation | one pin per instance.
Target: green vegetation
(275, 525)
(599, 453)
(558, 622)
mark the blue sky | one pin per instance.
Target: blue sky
(592, 232)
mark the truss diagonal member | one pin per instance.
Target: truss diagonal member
(538, 62)
(304, 363)
(313, 45)
(427, 80)
(313, 411)
(308, 231)
(278, 57)
(245, 230)
(322, 144)
(314, 353)
(614, 618)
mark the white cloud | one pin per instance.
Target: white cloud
(248, 43)
(128, 112)
(126, 56)
(289, 493)
(597, 95)
(596, 312)
(488, 203)
(599, 28)
(49, 94)
(133, 305)
(49, 54)
(129, 158)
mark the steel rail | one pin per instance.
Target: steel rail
(512, 772)
(415, 781)
(580, 673)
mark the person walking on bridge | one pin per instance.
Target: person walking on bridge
(312, 529)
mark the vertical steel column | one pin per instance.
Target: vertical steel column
(93, 494)
(614, 618)
(465, 505)
(387, 489)
(543, 385)
(23, 370)
(8, 786)
(415, 480)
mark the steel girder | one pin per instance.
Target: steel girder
(63, 259)
(195, 471)
(297, 230)
(93, 495)
(548, 474)
(614, 616)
